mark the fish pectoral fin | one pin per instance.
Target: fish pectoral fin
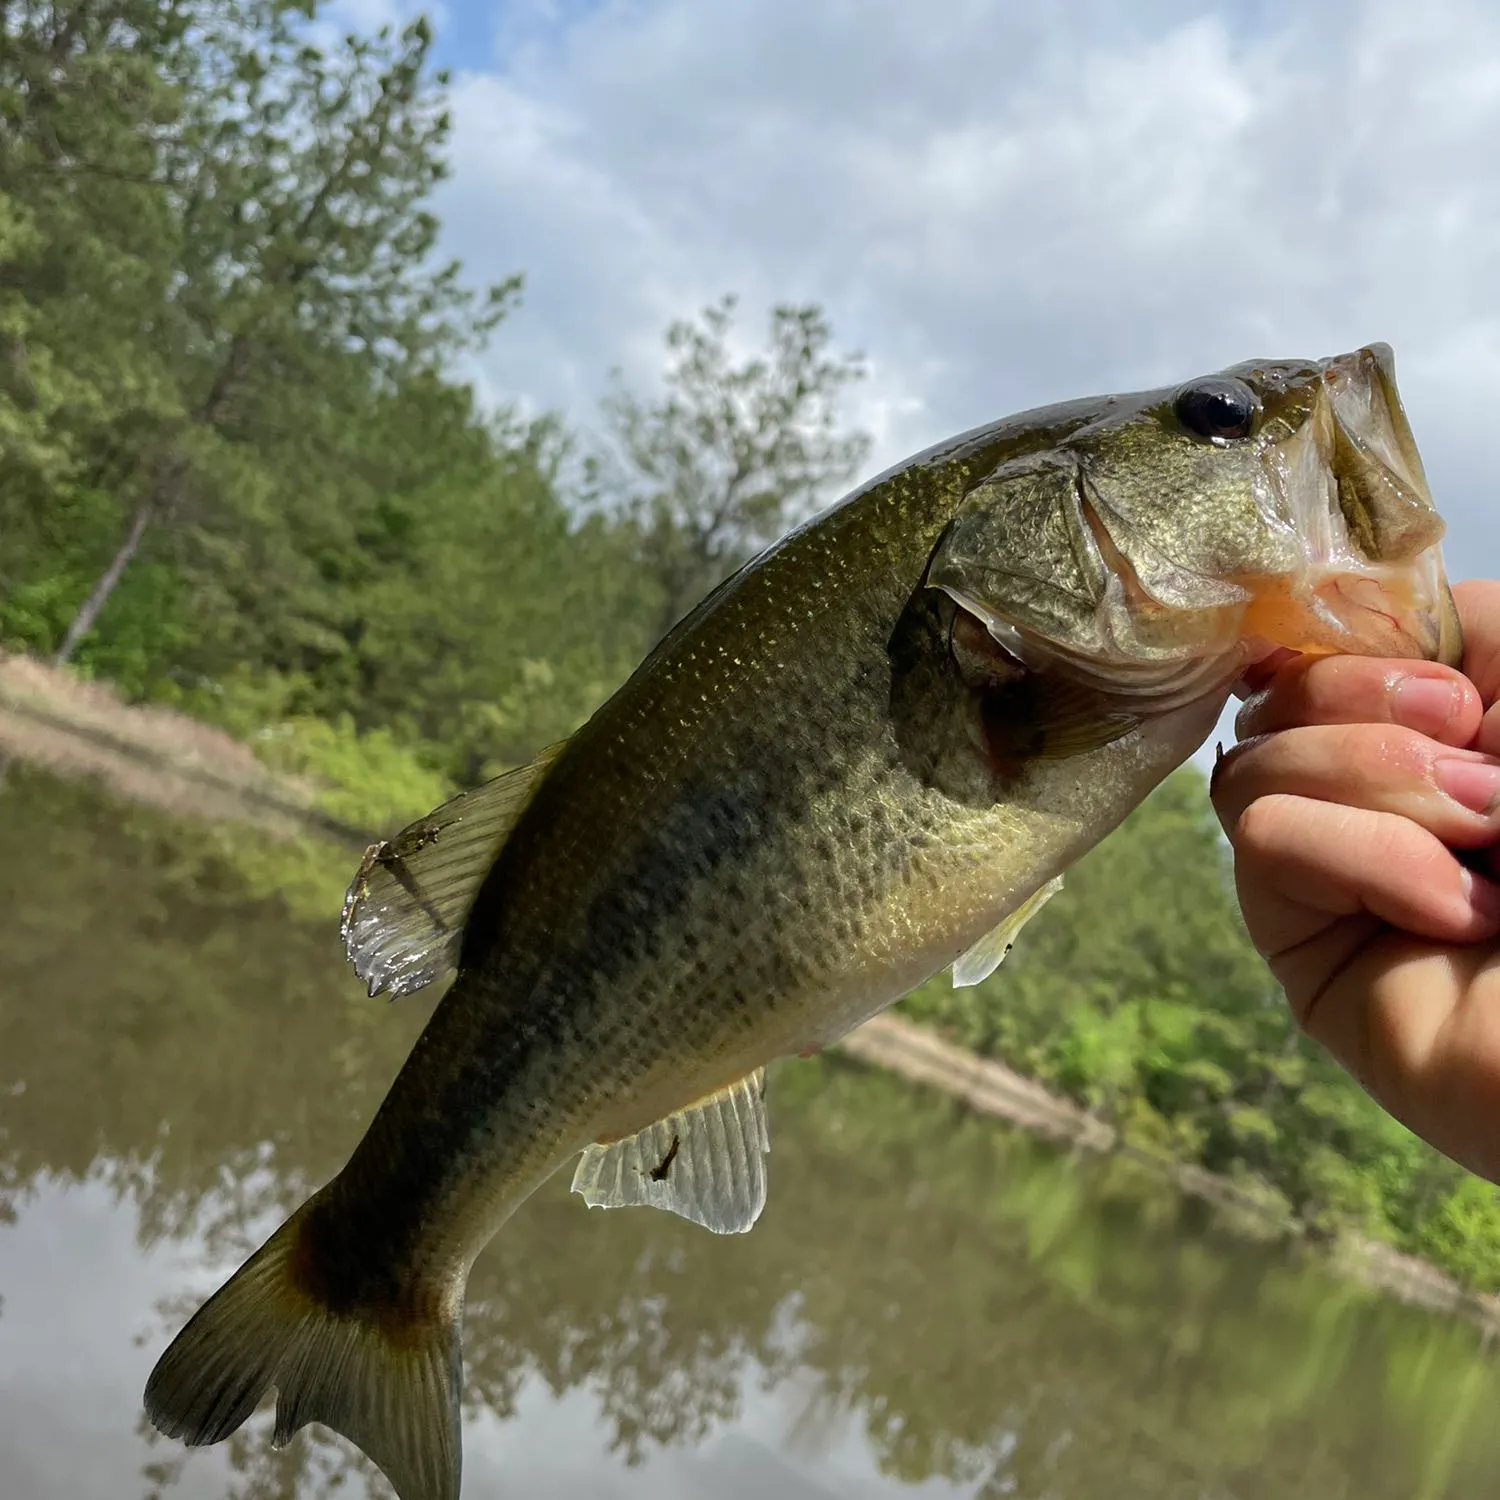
(405, 910)
(706, 1163)
(1044, 717)
(989, 952)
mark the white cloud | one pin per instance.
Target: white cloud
(365, 16)
(1003, 206)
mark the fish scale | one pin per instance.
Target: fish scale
(868, 756)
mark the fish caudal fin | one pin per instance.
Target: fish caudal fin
(389, 1383)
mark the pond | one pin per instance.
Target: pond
(932, 1305)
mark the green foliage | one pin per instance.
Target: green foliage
(89, 97)
(1462, 1233)
(371, 780)
(502, 620)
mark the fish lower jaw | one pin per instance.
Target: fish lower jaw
(1376, 612)
(1138, 678)
(1156, 688)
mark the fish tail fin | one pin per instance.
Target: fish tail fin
(388, 1379)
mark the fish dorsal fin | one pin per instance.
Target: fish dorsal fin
(405, 911)
(975, 966)
(706, 1163)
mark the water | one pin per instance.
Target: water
(931, 1306)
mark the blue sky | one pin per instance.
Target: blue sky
(1000, 205)
(472, 35)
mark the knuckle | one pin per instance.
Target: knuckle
(1350, 688)
(1379, 741)
(1398, 752)
(1381, 752)
(1302, 1007)
(1264, 824)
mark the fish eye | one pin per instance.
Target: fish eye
(1217, 408)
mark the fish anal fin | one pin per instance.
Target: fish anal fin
(405, 910)
(975, 966)
(705, 1163)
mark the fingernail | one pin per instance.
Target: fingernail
(1474, 784)
(1426, 704)
(1483, 895)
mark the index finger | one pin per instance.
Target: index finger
(1425, 696)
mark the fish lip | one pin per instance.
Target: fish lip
(1375, 582)
(1353, 384)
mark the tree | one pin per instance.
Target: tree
(733, 453)
(502, 618)
(89, 95)
(231, 437)
(297, 292)
(308, 299)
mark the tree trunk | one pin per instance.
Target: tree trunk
(163, 498)
(88, 611)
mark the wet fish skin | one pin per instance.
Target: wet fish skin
(843, 770)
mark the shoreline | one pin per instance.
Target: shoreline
(989, 1087)
(151, 755)
(164, 759)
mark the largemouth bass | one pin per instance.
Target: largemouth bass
(868, 756)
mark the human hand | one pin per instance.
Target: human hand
(1363, 807)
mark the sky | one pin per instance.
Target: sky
(998, 204)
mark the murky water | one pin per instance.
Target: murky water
(931, 1305)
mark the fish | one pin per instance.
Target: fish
(868, 756)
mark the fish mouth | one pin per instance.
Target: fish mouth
(1353, 487)
(1339, 552)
